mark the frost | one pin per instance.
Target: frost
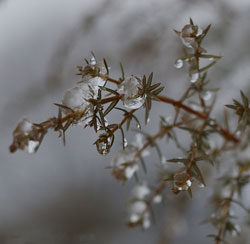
(76, 98)
(31, 146)
(24, 126)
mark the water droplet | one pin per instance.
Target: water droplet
(194, 77)
(103, 145)
(178, 63)
(148, 120)
(134, 103)
(211, 59)
(187, 36)
(132, 98)
(125, 142)
(157, 198)
(138, 126)
(206, 95)
(92, 60)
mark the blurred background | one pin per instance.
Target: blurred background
(65, 194)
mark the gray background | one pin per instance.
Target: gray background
(65, 194)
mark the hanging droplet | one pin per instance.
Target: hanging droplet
(125, 142)
(132, 99)
(138, 126)
(178, 64)
(148, 120)
(194, 77)
(206, 95)
(103, 145)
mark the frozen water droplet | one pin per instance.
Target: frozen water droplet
(103, 145)
(178, 63)
(148, 120)
(187, 36)
(206, 95)
(194, 77)
(103, 148)
(132, 98)
(134, 103)
(138, 126)
(157, 199)
(31, 146)
(125, 142)
(92, 60)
